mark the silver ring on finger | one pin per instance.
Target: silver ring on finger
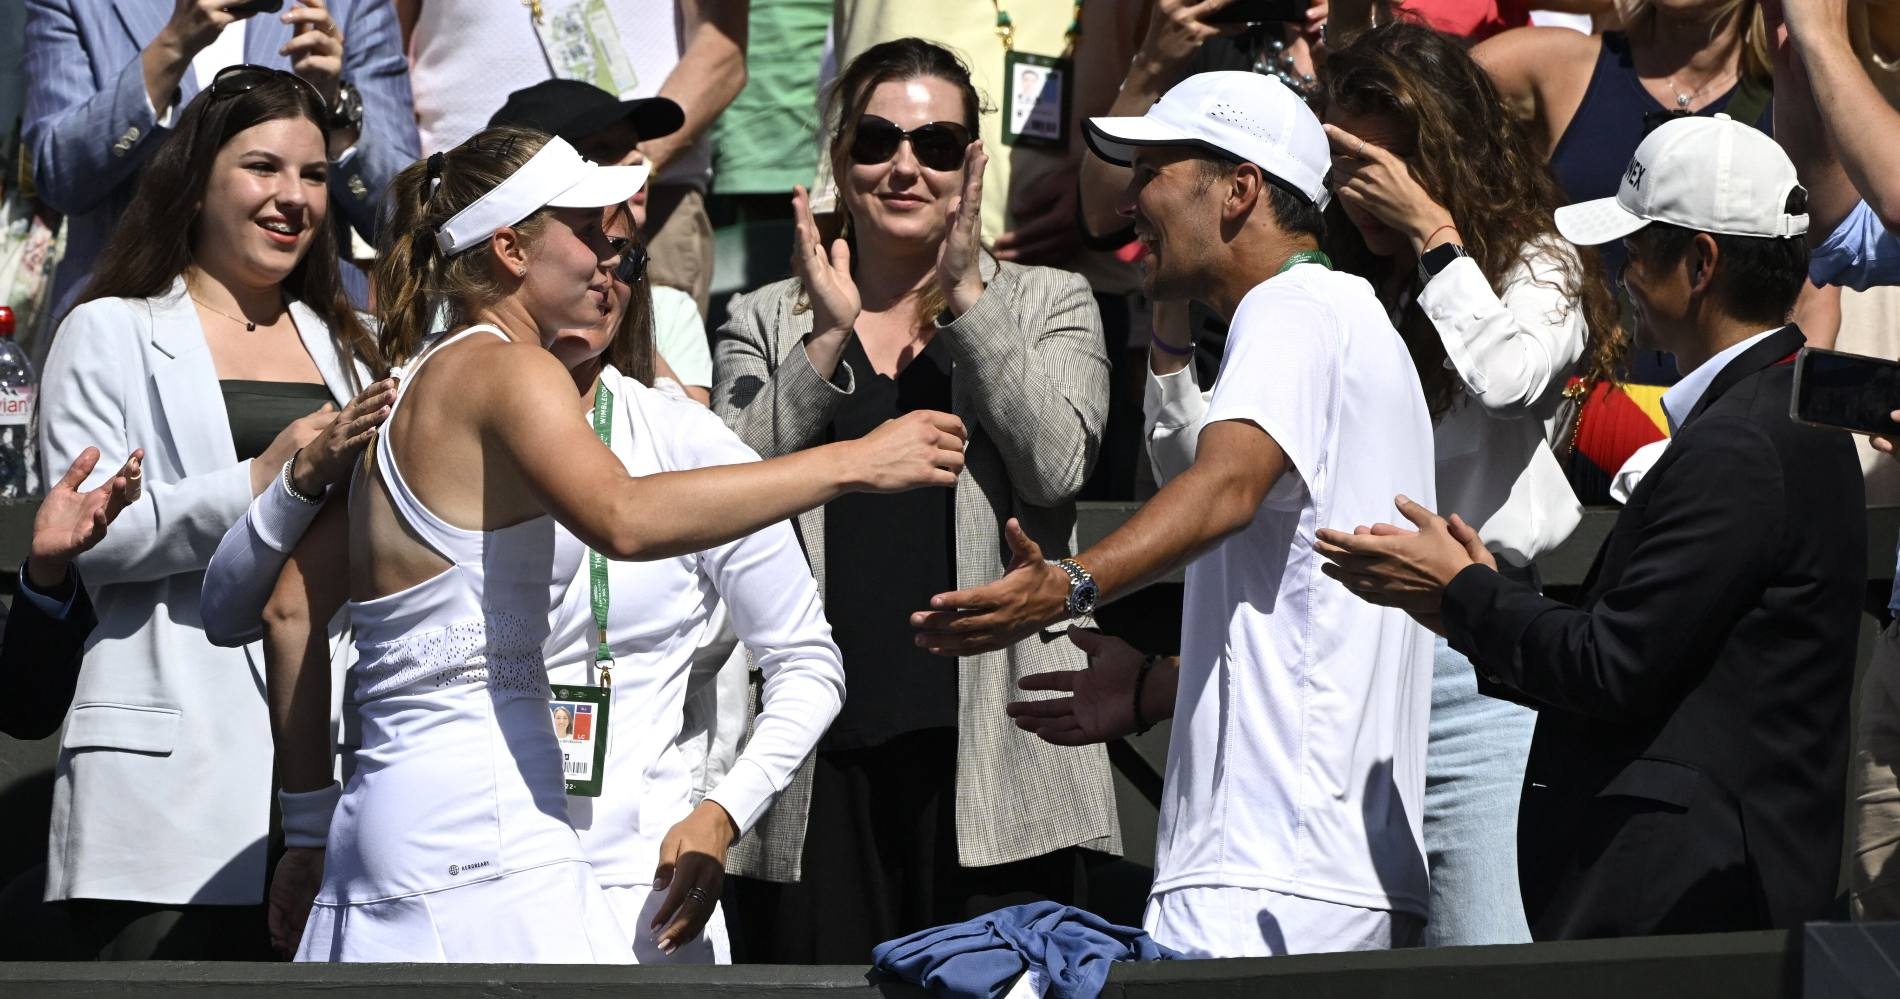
(696, 895)
(1359, 150)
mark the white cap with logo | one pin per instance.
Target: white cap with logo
(1713, 175)
(1251, 117)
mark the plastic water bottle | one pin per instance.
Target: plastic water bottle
(18, 385)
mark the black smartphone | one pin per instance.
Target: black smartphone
(1259, 12)
(1845, 391)
(249, 7)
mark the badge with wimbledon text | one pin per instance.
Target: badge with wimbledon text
(1036, 100)
(579, 715)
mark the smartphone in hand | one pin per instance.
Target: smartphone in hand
(249, 7)
(1850, 392)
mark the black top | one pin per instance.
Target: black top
(885, 557)
(259, 411)
(1690, 761)
(1595, 150)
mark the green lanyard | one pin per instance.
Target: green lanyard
(1006, 30)
(1302, 257)
(596, 562)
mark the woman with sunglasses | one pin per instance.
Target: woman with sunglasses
(909, 311)
(216, 335)
(452, 841)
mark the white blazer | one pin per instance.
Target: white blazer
(163, 786)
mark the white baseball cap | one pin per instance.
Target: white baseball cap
(1713, 175)
(555, 176)
(1249, 116)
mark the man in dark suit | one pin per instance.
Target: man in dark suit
(46, 631)
(1688, 770)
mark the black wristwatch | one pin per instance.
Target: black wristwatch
(348, 110)
(1083, 593)
(1437, 259)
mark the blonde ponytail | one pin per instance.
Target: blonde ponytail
(412, 274)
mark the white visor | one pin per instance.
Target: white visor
(555, 177)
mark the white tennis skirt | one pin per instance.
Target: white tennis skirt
(553, 914)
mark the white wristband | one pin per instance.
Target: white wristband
(306, 815)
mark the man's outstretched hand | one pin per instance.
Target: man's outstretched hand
(1030, 596)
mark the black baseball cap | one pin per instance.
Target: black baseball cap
(573, 110)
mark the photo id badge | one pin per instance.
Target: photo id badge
(1036, 100)
(583, 43)
(579, 715)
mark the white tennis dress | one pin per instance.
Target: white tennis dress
(452, 841)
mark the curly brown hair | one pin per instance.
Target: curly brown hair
(1477, 161)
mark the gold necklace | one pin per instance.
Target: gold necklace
(249, 327)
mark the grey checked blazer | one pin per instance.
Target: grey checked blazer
(1030, 381)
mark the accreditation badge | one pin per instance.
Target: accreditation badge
(582, 42)
(1036, 100)
(579, 715)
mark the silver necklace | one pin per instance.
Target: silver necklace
(1682, 99)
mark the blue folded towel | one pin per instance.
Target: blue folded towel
(1067, 949)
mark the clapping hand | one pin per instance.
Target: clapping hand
(1369, 178)
(958, 273)
(826, 276)
(1409, 570)
(70, 522)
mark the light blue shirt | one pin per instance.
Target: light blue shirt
(1860, 253)
(51, 608)
(1679, 400)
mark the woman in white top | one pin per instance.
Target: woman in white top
(658, 853)
(1448, 212)
(215, 334)
(452, 842)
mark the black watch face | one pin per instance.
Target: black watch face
(1082, 598)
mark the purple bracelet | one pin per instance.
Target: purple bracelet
(1167, 348)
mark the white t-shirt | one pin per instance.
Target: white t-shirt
(1297, 761)
(679, 334)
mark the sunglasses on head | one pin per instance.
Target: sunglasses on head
(633, 259)
(234, 80)
(938, 145)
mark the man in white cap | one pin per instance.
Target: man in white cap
(1688, 769)
(1290, 820)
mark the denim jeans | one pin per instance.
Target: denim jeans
(1474, 772)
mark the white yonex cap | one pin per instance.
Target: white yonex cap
(1712, 175)
(554, 177)
(1248, 116)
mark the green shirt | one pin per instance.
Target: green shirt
(767, 140)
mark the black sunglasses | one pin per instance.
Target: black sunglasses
(234, 80)
(938, 145)
(633, 259)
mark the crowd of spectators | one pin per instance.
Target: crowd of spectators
(1366, 308)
